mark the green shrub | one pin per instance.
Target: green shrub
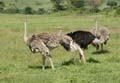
(112, 11)
(59, 5)
(94, 10)
(41, 11)
(11, 10)
(78, 3)
(1, 9)
(118, 11)
(112, 3)
(106, 10)
(28, 10)
(88, 10)
(84, 10)
(2, 4)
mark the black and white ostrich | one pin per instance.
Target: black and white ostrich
(76, 41)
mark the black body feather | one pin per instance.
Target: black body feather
(82, 38)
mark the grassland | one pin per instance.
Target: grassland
(19, 65)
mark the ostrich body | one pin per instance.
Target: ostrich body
(42, 43)
(102, 36)
(77, 40)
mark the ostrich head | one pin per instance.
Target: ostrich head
(66, 42)
(33, 44)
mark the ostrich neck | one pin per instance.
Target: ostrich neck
(25, 31)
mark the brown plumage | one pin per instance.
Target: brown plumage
(51, 40)
(102, 36)
(42, 43)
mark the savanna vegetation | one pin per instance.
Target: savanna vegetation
(19, 65)
(81, 7)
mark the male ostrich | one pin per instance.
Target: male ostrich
(43, 43)
(101, 34)
(75, 41)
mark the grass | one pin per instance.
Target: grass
(19, 65)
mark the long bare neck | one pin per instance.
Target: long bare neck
(25, 30)
(96, 26)
(60, 33)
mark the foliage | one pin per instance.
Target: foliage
(112, 3)
(112, 11)
(118, 11)
(1, 9)
(94, 3)
(28, 10)
(58, 4)
(41, 11)
(88, 10)
(2, 5)
(78, 3)
(11, 10)
(53, 6)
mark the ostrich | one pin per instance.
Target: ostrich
(75, 41)
(102, 36)
(42, 43)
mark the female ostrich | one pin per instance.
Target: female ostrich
(101, 34)
(42, 43)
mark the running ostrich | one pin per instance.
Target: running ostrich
(102, 36)
(42, 43)
(75, 41)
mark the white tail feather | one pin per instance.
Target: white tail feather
(97, 41)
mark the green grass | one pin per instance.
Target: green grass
(19, 65)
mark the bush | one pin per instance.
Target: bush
(112, 11)
(88, 10)
(112, 3)
(94, 10)
(78, 3)
(12, 10)
(84, 10)
(118, 11)
(28, 10)
(2, 4)
(58, 5)
(1, 9)
(41, 11)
